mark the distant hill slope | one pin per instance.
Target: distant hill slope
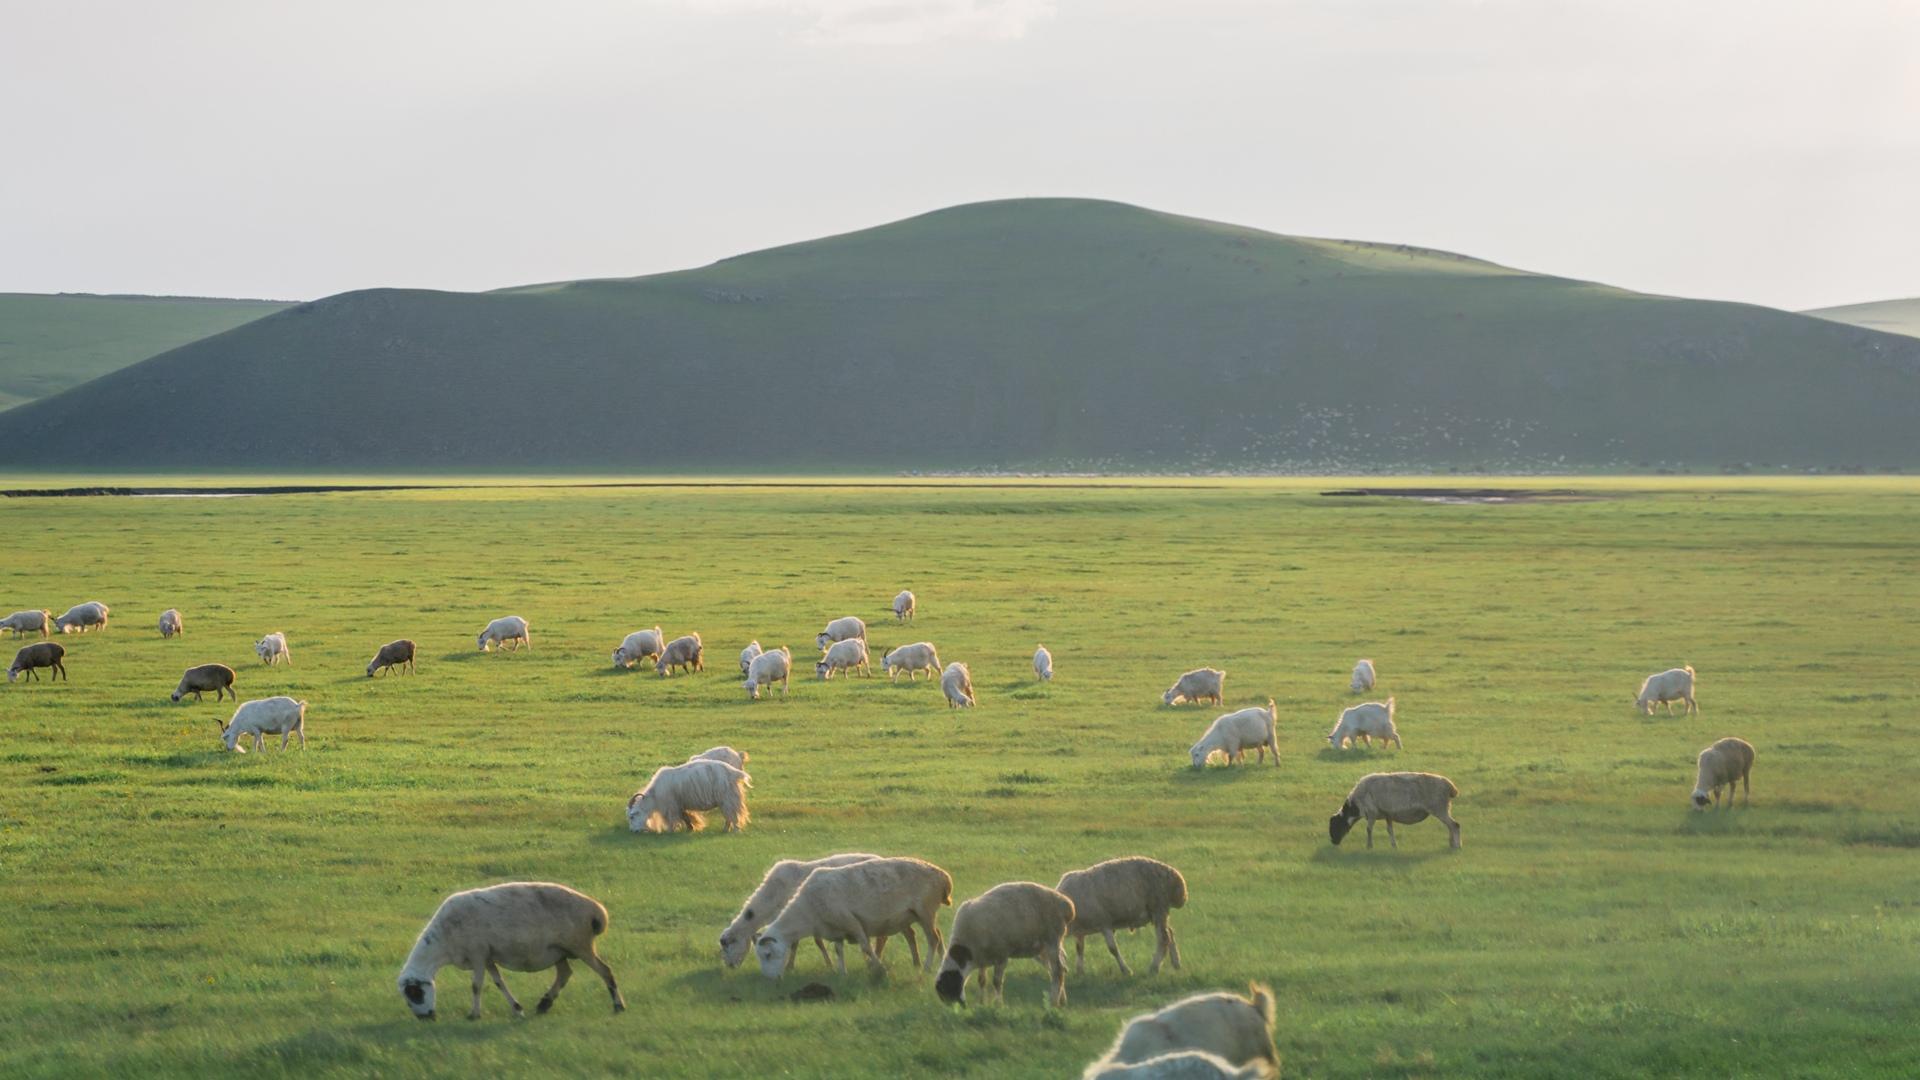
(1892, 316)
(1030, 333)
(49, 342)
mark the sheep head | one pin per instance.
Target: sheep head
(775, 955)
(419, 995)
(952, 983)
(1342, 823)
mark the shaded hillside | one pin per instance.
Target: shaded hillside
(1892, 316)
(1045, 332)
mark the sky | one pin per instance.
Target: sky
(1732, 149)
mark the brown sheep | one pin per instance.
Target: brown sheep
(197, 680)
(40, 654)
(394, 654)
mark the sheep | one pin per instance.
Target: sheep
(1234, 1028)
(848, 655)
(280, 716)
(21, 622)
(679, 795)
(858, 902)
(957, 683)
(1207, 684)
(747, 654)
(637, 646)
(273, 648)
(903, 606)
(40, 654)
(1043, 664)
(1403, 797)
(1368, 721)
(507, 631)
(841, 629)
(782, 880)
(684, 651)
(218, 678)
(1183, 1065)
(522, 926)
(1007, 922)
(1725, 763)
(1362, 677)
(912, 659)
(735, 758)
(81, 618)
(170, 623)
(773, 666)
(394, 654)
(1232, 733)
(1124, 894)
(1666, 688)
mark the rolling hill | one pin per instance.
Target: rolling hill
(49, 343)
(1892, 316)
(1034, 333)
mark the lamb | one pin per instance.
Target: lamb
(735, 758)
(848, 655)
(81, 618)
(198, 680)
(680, 795)
(1403, 797)
(507, 631)
(170, 623)
(394, 654)
(280, 716)
(957, 683)
(273, 648)
(682, 652)
(1369, 721)
(843, 628)
(1725, 763)
(1007, 922)
(1232, 733)
(1362, 677)
(747, 654)
(1183, 1065)
(1234, 1028)
(637, 646)
(774, 666)
(522, 926)
(1199, 684)
(1665, 689)
(903, 606)
(858, 902)
(40, 654)
(912, 659)
(782, 880)
(1124, 894)
(21, 622)
(1043, 664)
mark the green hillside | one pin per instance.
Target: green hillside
(1892, 316)
(49, 343)
(1031, 333)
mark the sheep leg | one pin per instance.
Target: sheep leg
(821, 944)
(1173, 943)
(601, 969)
(866, 949)
(1453, 829)
(1114, 948)
(493, 969)
(1056, 963)
(1079, 954)
(913, 946)
(1746, 784)
(562, 971)
(288, 734)
(1000, 982)
(1160, 938)
(1370, 834)
(479, 983)
(1391, 840)
(935, 946)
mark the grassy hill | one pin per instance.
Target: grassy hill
(1029, 333)
(49, 343)
(1892, 316)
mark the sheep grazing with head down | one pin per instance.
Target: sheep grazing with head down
(1042, 664)
(40, 654)
(684, 651)
(637, 646)
(1124, 894)
(81, 618)
(679, 796)
(747, 654)
(912, 659)
(521, 926)
(1007, 922)
(22, 623)
(1234, 733)
(1362, 677)
(842, 629)
(735, 758)
(272, 649)
(1404, 797)
(508, 631)
(280, 716)
(1373, 720)
(170, 624)
(848, 656)
(772, 666)
(1724, 764)
(903, 606)
(218, 678)
(1666, 688)
(394, 654)
(1237, 1030)
(957, 684)
(859, 902)
(1200, 684)
(782, 880)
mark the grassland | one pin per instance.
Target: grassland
(171, 909)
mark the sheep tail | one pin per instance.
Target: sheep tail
(1453, 790)
(1389, 708)
(1178, 896)
(1689, 670)
(1262, 997)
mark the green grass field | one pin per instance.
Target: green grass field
(171, 909)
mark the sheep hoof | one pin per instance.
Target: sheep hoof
(545, 1004)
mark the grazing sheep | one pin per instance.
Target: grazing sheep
(912, 659)
(170, 623)
(218, 678)
(843, 628)
(1362, 677)
(1124, 894)
(1233, 733)
(1236, 1029)
(280, 716)
(1665, 689)
(81, 618)
(40, 654)
(394, 654)
(273, 648)
(903, 606)
(1200, 684)
(1724, 764)
(1403, 797)
(521, 926)
(637, 646)
(1183, 1065)
(682, 652)
(848, 655)
(735, 758)
(680, 795)
(1370, 721)
(507, 631)
(1007, 922)
(747, 654)
(23, 622)
(782, 880)
(858, 902)
(773, 666)
(957, 683)
(1043, 664)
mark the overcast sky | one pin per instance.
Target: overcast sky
(1738, 149)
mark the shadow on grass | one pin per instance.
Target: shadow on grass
(1353, 753)
(1354, 855)
(1215, 774)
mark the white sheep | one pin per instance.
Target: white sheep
(772, 666)
(81, 618)
(957, 684)
(1362, 677)
(1009, 921)
(841, 629)
(1200, 684)
(1236, 1029)
(1403, 797)
(637, 646)
(735, 758)
(260, 718)
(1666, 688)
(903, 606)
(1724, 764)
(679, 796)
(21, 623)
(1043, 664)
(912, 659)
(859, 902)
(849, 655)
(747, 654)
(1369, 721)
(521, 926)
(685, 651)
(507, 631)
(782, 880)
(1182, 1065)
(1124, 894)
(170, 623)
(1234, 733)
(272, 649)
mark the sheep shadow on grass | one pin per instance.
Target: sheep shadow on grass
(1383, 858)
(1355, 753)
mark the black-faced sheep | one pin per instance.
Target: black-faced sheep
(394, 654)
(1724, 764)
(1007, 922)
(1404, 797)
(218, 678)
(521, 926)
